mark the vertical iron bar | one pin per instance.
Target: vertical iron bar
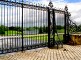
(4, 27)
(34, 19)
(67, 23)
(7, 29)
(65, 27)
(29, 25)
(12, 25)
(24, 41)
(26, 29)
(28, 40)
(22, 27)
(36, 24)
(15, 26)
(17, 29)
(9, 25)
(43, 24)
(38, 27)
(53, 26)
(48, 27)
(32, 24)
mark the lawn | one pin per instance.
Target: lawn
(43, 37)
(60, 36)
(37, 36)
(11, 32)
(60, 31)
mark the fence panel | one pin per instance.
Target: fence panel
(26, 25)
(22, 26)
(10, 27)
(35, 27)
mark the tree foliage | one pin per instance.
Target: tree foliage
(43, 30)
(2, 29)
(79, 28)
(15, 28)
(59, 27)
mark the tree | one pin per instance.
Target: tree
(59, 27)
(43, 29)
(79, 28)
(15, 28)
(40, 30)
(2, 30)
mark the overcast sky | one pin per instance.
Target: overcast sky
(74, 7)
(11, 13)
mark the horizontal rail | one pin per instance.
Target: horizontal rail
(30, 6)
(4, 37)
(57, 11)
(18, 4)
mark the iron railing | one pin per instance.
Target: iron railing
(24, 26)
(27, 26)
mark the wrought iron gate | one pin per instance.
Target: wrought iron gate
(26, 26)
(57, 26)
(22, 26)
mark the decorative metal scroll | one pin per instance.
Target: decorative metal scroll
(72, 27)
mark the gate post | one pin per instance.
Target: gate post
(66, 35)
(48, 27)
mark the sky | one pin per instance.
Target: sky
(74, 7)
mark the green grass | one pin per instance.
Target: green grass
(10, 32)
(39, 37)
(60, 37)
(43, 37)
(35, 37)
(60, 31)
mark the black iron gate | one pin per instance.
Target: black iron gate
(57, 26)
(26, 26)
(22, 26)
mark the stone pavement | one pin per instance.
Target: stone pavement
(66, 53)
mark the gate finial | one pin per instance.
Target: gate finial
(50, 4)
(66, 8)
